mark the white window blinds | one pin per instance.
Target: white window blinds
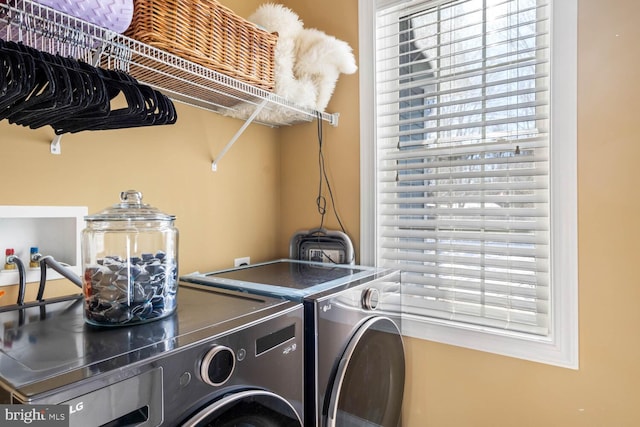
(462, 154)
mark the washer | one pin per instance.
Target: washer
(224, 358)
(354, 354)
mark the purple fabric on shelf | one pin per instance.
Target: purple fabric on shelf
(115, 15)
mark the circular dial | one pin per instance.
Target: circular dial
(370, 298)
(217, 365)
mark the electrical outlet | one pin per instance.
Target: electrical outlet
(239, 262)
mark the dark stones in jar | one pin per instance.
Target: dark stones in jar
(126, 291)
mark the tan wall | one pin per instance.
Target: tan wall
(266, 187)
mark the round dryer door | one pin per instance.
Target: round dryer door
(253, 408)
(369, 383)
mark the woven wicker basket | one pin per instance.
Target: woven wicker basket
(209, 34)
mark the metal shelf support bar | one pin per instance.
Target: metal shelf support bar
(214, 164)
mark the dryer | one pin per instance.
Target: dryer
(354, 353)
(224, 358)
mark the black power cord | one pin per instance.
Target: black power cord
(321, 201)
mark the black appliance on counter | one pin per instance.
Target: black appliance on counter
(223, 358)
(354, 353)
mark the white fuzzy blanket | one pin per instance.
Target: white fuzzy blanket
(307, 65)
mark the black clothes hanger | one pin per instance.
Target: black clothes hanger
(77, 97)
(86, 92)
(144, 107)
(19, 77)
(41, 90)
(38, 89)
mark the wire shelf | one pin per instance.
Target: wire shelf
(55, 32)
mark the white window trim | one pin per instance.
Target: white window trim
(561, 347)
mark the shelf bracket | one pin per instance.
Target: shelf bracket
(55, 145)
(214, 164)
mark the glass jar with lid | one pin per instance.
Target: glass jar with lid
(130, 263)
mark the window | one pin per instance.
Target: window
(468, 160)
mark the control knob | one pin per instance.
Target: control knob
(217, 365)
(370, 298)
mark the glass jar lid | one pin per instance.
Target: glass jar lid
(130, 208)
